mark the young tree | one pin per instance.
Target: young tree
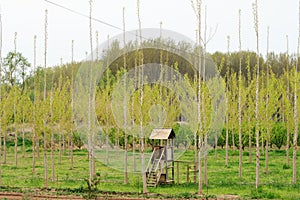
(44, 101)
(15, 102)
(1, 103)
(267, 109)
(34, 105)
(141, 80)
(107, 105)
(197, 9)
(90, 96)
(125, 104)
(287, 104)
(255, 13)
(239, 101)
(250, 106)
(52, 130)
(296, 120)
(227, 103)
(72, 106)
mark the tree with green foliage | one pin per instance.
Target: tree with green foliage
(15, 63)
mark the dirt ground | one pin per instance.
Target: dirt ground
(15, 196)
(30, 196)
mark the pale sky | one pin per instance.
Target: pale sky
(26, 17)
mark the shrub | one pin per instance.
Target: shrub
(278, 135)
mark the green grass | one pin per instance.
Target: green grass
(222, 180)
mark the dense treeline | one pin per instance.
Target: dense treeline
(59, 83)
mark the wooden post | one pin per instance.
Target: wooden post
(153, 144)
(195, 173)
(178, 179)
(166, 160)
(188, 173)
(173, 173)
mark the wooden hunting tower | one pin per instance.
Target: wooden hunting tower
(160, 168)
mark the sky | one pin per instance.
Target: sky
(27, 19)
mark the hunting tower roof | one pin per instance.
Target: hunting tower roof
(162, 134)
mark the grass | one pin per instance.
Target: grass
(222, 180)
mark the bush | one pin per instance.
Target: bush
(184, 135)
(261, 194)
(285, 166)
(278, 135)
(77, 141)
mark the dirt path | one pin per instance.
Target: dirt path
(31, 196)
(15, 196)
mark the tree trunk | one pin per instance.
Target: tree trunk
(141, 78)
(16, 148)
(63, 144)
(72, 107)
(143, 167)
(239, 102)
(72, 157)
(287, 148)
(267, 151)
(296, 111)
(4, 147)
(106, 149)
(33, 152)
(203, 101)
(296, 120)
(133, 154)
(216, 146)
(23, 137)
(52, 133)
(45, 158)
(288, 100)
(34, 111)
(52, 156)
(195, 147)
(232, 135)
(38, 147)
(227, 103)
(45, 121)
(295, 151)
(250, 140)
(262, 145)
(1, 113)
(15, 102)
(68, 145)
(0, 143)
(200, 192)
(255, 11)
(267, 111)
(205, 161)
(125, 106)
(71, 150)
(59, 145)
(226, 140)
(90, 101)
(240, 129)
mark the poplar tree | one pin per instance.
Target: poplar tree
(296, 120)
(141, 86)
(255, 14)
(125, 104)
(1, 103)
(44, 101)
(15, 101)
(197, 9)
(239, 100)
(34, 106)
(90, 122)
